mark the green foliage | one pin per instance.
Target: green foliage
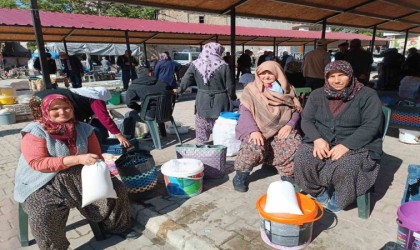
(355, 31)
(9, 4)
(31, 46)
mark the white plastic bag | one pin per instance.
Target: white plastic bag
(281, 198)
(96, 183)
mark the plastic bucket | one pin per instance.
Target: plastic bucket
(115, 99)
(289, 231)
(409, 136)
(123, 97)
(408, 235)
(183, 177)
(7, 100)
(7, 91)
(7, 118)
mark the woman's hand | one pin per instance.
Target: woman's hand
(123, 141)
(337, 152)
(87, 159)
(321, 149)
(284, 132)
(257, 138)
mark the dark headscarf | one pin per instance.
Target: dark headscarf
(348, 92)
(65, 132)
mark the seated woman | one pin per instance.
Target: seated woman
(48, 176)
(339, 159)
(269, 112)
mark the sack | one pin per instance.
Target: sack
(138, 173)
(224, 134)
(281, 198)
(96, 183)
(212, 156)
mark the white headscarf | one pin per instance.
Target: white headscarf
(98, 93)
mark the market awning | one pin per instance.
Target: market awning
(16, 25)
(387, 15)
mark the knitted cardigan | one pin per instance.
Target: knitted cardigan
(28, 180)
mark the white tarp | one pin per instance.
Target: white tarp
(99, 49)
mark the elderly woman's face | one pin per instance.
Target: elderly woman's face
(267, 78)
(60, 111)
(338, 80)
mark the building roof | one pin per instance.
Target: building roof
(16, 25)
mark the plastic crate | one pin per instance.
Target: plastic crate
(19, 109)
(112, 146)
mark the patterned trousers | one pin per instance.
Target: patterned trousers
(275, 151)
(203, 129)
(48, 209)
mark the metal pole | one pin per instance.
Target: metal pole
(201, 47)
(233, 42)
(65, 46)
(217, 38)
(405, 42)
(324, 28)
(274, 47)
(40, 43)
(243, 48)
(303, 52)
(127, 43)
(145, 52)
(372, 45)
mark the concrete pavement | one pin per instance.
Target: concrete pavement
(219, 218)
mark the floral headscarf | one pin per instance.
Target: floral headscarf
(209, 61)
(348, 92)
(65, 132)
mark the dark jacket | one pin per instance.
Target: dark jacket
(76, 66)
(142, 87)
(358, 125)
(165, 71)
(52, 67)
(360, 60)
(215, 97)
(122, 60)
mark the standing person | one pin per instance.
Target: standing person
(127, 64)
(412, 64)
(360, 61)
(165, 70)
(106, 65)
(391, 73)
(339, 157)
(262, 57)
(73, 68)
(314, 63)
(343, 48)
(244, 61)
(87, 102)
(269, 113)
(215, 89)
(48, 177)
(52, 67)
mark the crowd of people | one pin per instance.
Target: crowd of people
(331, 147)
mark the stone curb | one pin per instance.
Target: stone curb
(164, 228)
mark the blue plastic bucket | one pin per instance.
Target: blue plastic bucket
(183, 177)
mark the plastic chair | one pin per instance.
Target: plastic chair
(363, 201)
(23, 228)
(303, 94)
(158, 109)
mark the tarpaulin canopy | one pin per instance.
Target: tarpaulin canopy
(98, 49)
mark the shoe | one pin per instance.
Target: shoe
(128, 234)
(323, 198)
(332, 205)
(240, 181)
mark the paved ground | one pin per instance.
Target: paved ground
(219, 218)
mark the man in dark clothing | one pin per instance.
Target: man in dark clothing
(73, 69)
(244, 61)
(166, 69)
(343, 49)
(138, 90)
(262, 57)
(52, 67)
(412, 64)
(360, 60)
(128, 64)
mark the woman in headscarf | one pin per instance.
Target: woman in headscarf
(339, 159)
(87, 102)
(165, 70)
(269, 113)
(215, 89)
(48, 176)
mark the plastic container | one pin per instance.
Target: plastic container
(113, 146)
(7, 100)
(409, 136)
(123, 97)
(408, 234)
(289, 231)
(7, 118)
(183, 177)
(115, 99)
(7, 91)
(224, 133)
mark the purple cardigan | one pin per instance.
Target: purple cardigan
(246, 123)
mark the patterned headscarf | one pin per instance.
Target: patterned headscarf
(348, 92)
(65, 132)
(209, 61)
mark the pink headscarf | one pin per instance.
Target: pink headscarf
(209, 61)
(65, 132)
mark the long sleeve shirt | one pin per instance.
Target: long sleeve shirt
(99, 109)
(35, 152)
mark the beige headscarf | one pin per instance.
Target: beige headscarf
(270, 109)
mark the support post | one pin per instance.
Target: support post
(243, 48)
(40, 43)
(372, 44)
(127, 43)
(145, 52)
(405, 42)
(324, 28)
(201, 47)
(217, 38)
(233, 42)
(65, 46)
(274, 47)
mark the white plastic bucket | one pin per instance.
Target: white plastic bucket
(224, 134)
(409, 136)
(7, 118)
(183, 177)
